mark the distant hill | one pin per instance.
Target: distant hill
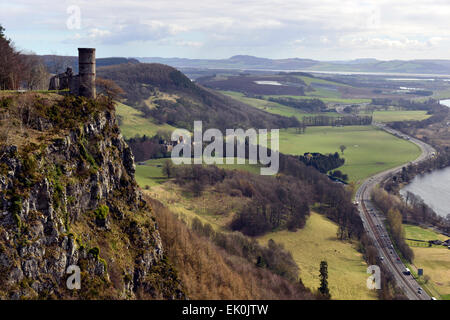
(166, 96)
(60, 63)
(358, 65)
(237, 62)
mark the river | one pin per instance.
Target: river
(445, 102)
(434, 187)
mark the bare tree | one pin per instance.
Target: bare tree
(109, 88)
(35, 75)
(10, 64)
(57, 64)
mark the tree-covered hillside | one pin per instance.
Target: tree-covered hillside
(168, 96)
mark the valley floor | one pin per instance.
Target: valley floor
(369, 150)
(317, 241)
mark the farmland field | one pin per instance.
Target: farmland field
(323, 95)
(314, 80)
(434, 260)
(436, 264)
(419, 233)
(369, 150)
(273, 107)
(403, 115)
(317, 241)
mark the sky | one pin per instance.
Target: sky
(314, 29)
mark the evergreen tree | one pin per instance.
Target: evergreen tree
(323, 289)
(2, 31)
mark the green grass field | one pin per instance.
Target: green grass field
(435, 263)
(273, 107)
(434, 260)
(327, 96)
(150, 174)
(369, 150)
(317, 241)
(134, 123)
(309, 80)
(437, 94)
(419, 233)
(403, 115)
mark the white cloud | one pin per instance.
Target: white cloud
(129, 32)
(297, 42)
(389, 44)
(324, 40)
(227, 27)
(193, 44)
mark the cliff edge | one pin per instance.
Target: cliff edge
(68, 197)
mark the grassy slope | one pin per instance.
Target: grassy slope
(319, 235)
(435, 260)
(369, 150)
(317, 241)
(403, 115)
(419, 233)
(436, 264)
(187, 207)
(134, 123)
(151, 174)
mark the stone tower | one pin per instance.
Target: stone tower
(86, 66)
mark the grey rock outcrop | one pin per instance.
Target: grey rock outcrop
(49, 198)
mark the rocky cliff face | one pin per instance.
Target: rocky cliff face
(68, 198)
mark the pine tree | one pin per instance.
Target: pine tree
(2, 32)
(323, 289)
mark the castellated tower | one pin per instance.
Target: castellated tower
(86, 66)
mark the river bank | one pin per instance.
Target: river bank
(433, 188)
